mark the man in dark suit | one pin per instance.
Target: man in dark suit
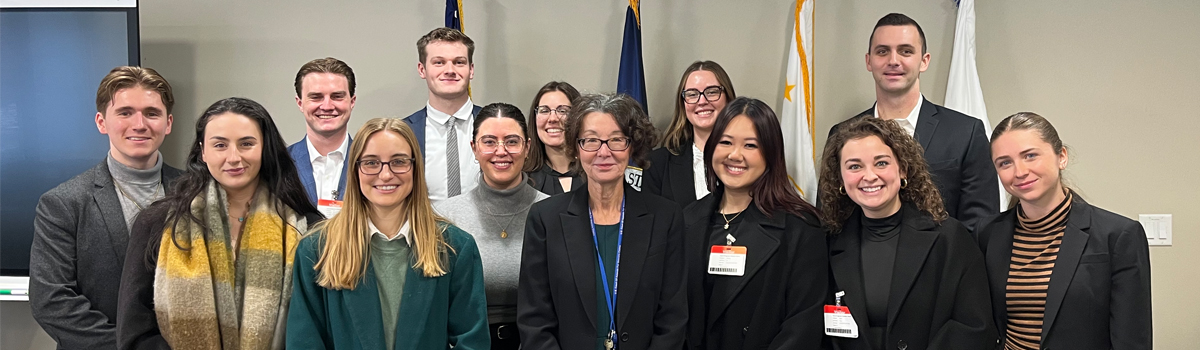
(446, 63)
(325, 94)
(82, 225)
(956, 146)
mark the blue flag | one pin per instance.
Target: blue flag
(454, 14)
(632, 77)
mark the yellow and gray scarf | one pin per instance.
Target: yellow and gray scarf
(204, 298)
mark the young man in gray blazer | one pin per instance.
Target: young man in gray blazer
(82, 226)
(956, 145)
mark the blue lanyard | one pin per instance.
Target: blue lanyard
(610, 294)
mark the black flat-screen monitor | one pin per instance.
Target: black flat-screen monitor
(53, 55)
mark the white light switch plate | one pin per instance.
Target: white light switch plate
(1158, 228)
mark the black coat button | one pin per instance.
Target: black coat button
(745, 330)
(624, 336)
(902, 345)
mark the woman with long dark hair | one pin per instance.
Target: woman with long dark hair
(547, 163)
(210, 266)
(773, 298)
(911, 276)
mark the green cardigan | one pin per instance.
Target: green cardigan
(435, 313)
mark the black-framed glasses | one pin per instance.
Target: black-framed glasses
(375, 166)
(711, 94)
(512, 144)
(562, 111)
(591, 144)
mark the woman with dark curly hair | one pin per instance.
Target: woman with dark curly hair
(910, 275)
(575, 255)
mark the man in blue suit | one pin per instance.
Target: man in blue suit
(444, 126)
(325, 94)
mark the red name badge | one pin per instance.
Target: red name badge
(839, 323)
(329, 207)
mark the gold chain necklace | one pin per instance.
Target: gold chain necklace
(157, 188)
(503, 230)
(728, 219)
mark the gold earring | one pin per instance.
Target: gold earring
(903, 183)
(842, 189)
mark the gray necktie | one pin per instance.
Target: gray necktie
(454, 186)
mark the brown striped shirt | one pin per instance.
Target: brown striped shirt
(1034, 251)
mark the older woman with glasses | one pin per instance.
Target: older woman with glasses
(547, 163)
(386, 272)
(677, 171)
(494, 213)
(583, 285)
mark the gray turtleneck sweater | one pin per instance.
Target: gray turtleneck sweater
(136, 188)
(485, 212)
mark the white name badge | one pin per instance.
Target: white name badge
(329, 207)
(839, 323)
(727, 260)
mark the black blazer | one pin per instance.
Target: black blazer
(1099, 294)
(556, 299)
(545, 180)
(671, 176)
(960, 159)
(778, 303)
(939, 295)
(78, 251)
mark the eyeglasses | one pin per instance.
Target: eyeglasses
(619, 143)
(711, 94)
(374, 166)
(512, 145)
(562, 111)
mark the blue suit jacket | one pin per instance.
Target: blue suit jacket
(299, 152)
(416, 121)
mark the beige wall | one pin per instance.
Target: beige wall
(1118, 78)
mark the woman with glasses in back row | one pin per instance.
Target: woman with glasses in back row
(494, 213)
(678, 168)
(386, 272)
(583, 285)
(547, 163)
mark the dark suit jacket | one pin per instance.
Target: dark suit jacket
(417, 122)
(1099, 294)
(434, 312)
(299, 153)
(545, 180)
(939, 295)
(960, 159)
(556, 306)
(79, 241)
(778, 303)
(671, 176)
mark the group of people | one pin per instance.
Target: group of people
(475, 227)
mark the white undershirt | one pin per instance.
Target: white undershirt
(698, 177)
(435, 151)
(909, 123)
(327, 169)
(404, 230)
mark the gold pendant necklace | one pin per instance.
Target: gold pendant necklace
(728, 219)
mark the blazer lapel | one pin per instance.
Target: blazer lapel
(683, 182)
(760, 236)
(638, 219)
(1074, 241)
(365, 313)
(926, 123)
(581, 251)
(916, 239)
(845, 259)
(304, 167)
(345, 166)
(105, 196)
(999, 255)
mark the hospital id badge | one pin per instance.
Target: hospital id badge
(839, 323)
(329, 207)
(727, 260)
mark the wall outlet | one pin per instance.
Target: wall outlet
(1158, 228)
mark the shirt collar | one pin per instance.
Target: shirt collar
(313, 154)
(912, 115)
(404, 230)
(463, 113)
(697, 153)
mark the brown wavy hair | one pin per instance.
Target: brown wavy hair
(537, 150)
(679, 133)
(630, 117)
(836, 206)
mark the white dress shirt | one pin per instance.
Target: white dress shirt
(909, 123)
(435, 151)
(404, 230)
(327, 169)
(698, 176)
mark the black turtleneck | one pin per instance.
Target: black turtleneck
(879, 243)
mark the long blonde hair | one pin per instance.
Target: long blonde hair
(345, 237)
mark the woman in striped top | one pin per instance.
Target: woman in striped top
(1064, 273)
